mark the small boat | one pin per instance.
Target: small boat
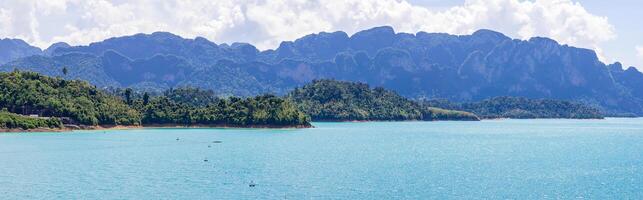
(177, 139)
(205, 160)
(216, 141)
(209, 146)
(252, 184)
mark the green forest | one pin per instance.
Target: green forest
(522, 108)
(264, 110)
(77, 102)
(332, 100)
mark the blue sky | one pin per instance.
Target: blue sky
(609, 27)
(626, 16)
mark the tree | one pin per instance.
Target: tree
(146, 98)
(128, 96)
(65, 71)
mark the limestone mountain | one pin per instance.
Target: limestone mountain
(419, 65)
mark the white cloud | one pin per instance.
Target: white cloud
(268, 22)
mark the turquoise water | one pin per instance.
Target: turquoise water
(498, 159)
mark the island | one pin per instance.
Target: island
(522, 108)
(333, 100)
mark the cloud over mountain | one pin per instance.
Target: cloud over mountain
(266, 23)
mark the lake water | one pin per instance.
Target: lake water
(497, 159)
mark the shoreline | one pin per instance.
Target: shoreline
(219, 126)
(149, 126)
(35, 130)
(481, 119)
(203, 126)
(540, 118)
(358, 121)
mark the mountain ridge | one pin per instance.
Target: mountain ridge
(418, 65)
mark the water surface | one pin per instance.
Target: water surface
(497, 159)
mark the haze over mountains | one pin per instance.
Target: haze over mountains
(422, 65)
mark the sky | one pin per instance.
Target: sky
(611, 28)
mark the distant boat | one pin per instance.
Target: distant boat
(205, 160)
(252, 184)
(216, 141)
(177, 139)
(209, 146)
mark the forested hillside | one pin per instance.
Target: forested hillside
(259, 111)
(31, 93)
(79, 103)
(330, 100)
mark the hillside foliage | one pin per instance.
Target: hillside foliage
(193, 108)
(27, 93)
(331, 100)
(31, 93)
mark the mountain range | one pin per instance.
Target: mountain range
(422, 65)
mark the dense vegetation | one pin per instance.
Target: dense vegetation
(30, 93)
(14, 121)
(330, 100)
(191, 96)
(522, 108)
(265, 110)
(77, 102)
